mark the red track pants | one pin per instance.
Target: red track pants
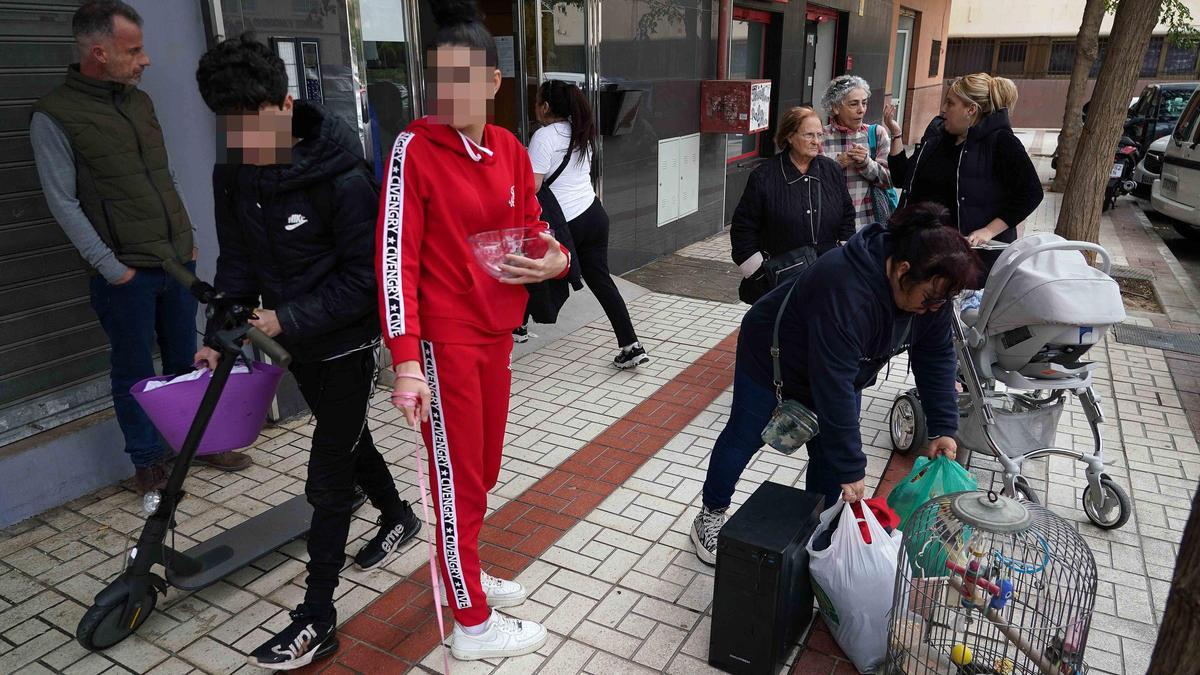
(469, 387)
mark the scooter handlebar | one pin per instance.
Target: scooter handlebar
(259, 339)
(279, 355)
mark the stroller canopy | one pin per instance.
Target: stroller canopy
(1050, 287)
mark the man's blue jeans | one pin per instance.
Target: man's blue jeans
(151, 307)
(753, 403)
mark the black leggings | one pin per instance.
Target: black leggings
(590, 232)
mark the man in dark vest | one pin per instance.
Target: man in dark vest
(104, 170)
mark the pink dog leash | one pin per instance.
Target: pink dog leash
(423, 482)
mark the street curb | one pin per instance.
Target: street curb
(1189, 285)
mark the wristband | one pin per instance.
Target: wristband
(412, 376)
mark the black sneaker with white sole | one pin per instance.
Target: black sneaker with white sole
(392, 534)
(305, 640)
(522, 334)
(631, 357)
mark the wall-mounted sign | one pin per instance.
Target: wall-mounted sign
(735, 106)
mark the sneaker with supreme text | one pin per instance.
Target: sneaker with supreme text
(308, 638)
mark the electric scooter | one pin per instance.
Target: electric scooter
(126, 603)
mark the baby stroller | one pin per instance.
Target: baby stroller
(1042, 309)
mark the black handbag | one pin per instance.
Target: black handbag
(548, 297)
(552, 211)
(780, 268)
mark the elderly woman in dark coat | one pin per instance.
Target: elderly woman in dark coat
(795, 204)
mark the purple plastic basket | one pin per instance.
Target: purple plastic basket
(240, 414)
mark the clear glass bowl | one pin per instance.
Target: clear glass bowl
(492, 248)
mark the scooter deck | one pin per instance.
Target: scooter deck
(242, 544)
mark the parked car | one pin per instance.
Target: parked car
(1148, 169)
(1153, 115)
(1176, 194)
(1157, 110)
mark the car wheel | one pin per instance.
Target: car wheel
(1186, 230)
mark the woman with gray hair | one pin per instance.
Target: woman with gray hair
(861, 150)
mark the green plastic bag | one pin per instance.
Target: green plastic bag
(927, 480)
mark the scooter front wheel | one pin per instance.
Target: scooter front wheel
(101, 626)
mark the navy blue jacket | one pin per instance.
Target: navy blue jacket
(841, 326)
(302, 235)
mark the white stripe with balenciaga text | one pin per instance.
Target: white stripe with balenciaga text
(391, 271)
(447, 515)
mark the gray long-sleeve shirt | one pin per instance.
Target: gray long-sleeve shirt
(56, 168)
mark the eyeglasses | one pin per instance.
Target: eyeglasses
(812, 136)
(934, 303)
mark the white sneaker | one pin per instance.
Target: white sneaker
(504, 637)
(500, 592)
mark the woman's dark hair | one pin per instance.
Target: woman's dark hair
(568, 102)
(460, 24)
(923, 236)
(241, 74)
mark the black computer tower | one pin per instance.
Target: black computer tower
(762, 596)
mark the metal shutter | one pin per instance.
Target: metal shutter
(53, 353)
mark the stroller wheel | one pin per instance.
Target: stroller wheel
(907, 423)
(1025, 492)
(1117, 504)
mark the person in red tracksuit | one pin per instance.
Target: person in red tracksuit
(448, 324)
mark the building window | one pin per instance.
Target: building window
(1011, 60)
(969, 55)
(1180, 60)
(747, 48)
(1150, 60)
(302, 60)
(935, 57)
(1100, 48)
(1062, 58)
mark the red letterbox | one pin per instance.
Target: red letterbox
(735, 106)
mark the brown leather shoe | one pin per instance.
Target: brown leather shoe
(153, 477)
(225, 461)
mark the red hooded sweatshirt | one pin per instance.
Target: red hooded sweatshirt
(441, 187)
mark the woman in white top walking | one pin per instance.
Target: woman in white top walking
(569, 129)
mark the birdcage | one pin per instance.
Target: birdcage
(988, 585)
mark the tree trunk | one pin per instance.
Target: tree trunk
(1179, 636)
(1079, 218)
(1087, 45)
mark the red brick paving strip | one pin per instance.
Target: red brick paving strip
(399, 628)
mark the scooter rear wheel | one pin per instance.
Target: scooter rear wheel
(101, 627)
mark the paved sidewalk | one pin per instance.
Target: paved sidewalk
(599, 484)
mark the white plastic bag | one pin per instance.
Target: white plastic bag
(854, 582)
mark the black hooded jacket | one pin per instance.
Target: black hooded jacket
(302, 236)
(991, 176)
(841, 326)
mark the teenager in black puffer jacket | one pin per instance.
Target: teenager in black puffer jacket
(302, 235)
(295, 216)
(797, 198)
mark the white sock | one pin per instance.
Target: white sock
(475, 630)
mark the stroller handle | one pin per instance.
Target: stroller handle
(1010, 268)
(205, 293)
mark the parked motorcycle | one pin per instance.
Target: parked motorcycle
(1120, 177)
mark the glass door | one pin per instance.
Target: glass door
(561, 43)
(391, 63)
(900, 65)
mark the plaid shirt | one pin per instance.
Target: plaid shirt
(839, 139)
